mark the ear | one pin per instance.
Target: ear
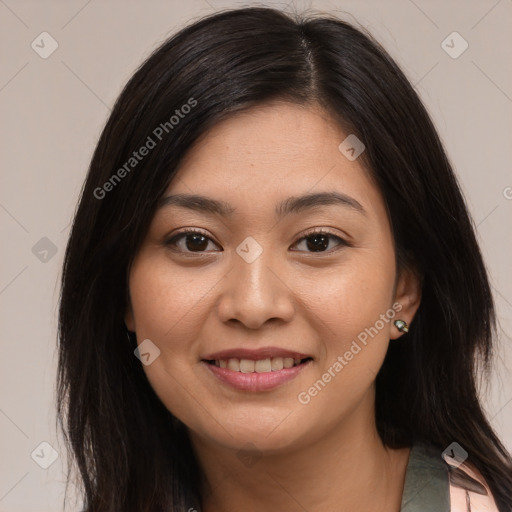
(408, 296)
(128, 317)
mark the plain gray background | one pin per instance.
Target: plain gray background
(52, 111)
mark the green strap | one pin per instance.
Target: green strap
(426, 487)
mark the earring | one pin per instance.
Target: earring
(401, 325)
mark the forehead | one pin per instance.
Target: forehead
(279, 149)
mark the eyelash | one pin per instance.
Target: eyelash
(182, 234)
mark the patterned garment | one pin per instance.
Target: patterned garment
(432, 485)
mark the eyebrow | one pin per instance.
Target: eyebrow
(294, 204)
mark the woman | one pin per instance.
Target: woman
(265, 301)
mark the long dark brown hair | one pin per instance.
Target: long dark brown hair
(131, 452)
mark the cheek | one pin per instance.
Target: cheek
(167, 301)
(353, 308)
(352, 296)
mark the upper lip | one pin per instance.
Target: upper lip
(254, 354)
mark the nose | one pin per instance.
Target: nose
(254, 293)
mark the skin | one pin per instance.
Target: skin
(323, 456)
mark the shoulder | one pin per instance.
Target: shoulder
(469, 491)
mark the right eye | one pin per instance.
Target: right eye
(194, 241)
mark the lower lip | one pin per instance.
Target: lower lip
(256, 381)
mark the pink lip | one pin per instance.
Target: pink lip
(256, 381)
(254, 354)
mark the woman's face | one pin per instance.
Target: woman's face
(231, 307)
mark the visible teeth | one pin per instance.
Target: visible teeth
(234, 364)
(273, 364)
(276, 363)
(246, 366)
(288, 362)
(263, 366)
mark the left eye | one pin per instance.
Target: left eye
(317, 241)
(196, 241)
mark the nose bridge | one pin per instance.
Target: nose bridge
(254, 291)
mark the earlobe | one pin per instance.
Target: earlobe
(408, 295)
(128, 315)
(128, 318)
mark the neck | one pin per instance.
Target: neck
(347, 468)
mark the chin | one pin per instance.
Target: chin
(254, 434)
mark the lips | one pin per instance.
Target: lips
(255, 375)
(258, 369)
(255, 354)
(260, 361)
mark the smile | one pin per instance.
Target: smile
(273, 364)
(264, 371)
